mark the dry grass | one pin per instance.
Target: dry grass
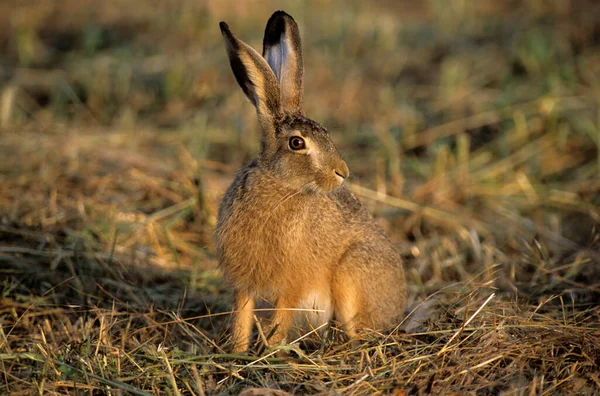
(473, 133)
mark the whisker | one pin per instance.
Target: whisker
(284, 200)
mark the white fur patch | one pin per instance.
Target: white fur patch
(319, 309)
(277, 57)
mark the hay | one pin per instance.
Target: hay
(477, 150)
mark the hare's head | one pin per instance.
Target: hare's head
(296, 149)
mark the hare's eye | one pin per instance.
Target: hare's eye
(297, 143)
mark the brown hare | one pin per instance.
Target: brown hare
(288, 230)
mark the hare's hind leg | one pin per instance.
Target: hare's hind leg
(346, 294)
(345, 300)
(354, 289)
(369, 288)
(242, 322)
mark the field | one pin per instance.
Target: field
(472, 133)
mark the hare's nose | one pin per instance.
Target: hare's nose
(342, 170)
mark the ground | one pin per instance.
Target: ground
(472, 132)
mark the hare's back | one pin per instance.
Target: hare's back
(350, 207)
(237, 189)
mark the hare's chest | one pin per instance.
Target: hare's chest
(261, 244)
(273, 233)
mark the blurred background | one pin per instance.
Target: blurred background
(474, 123)
(471, 129)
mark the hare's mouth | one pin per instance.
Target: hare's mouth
(312, 187)
(330, 183)
(323, 184)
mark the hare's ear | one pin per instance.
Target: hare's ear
(282, 48)
(255, 77)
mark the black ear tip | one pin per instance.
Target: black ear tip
(276, 26)
(280, 15)
(224, 28)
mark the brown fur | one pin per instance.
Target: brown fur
(288, 231)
